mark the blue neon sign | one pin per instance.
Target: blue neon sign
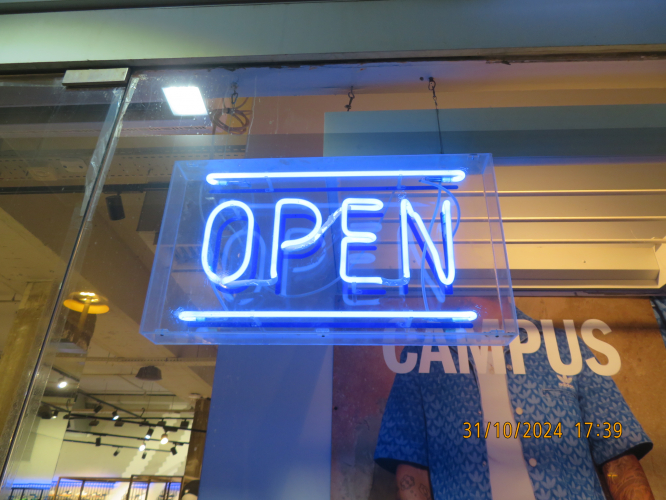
(332, 250)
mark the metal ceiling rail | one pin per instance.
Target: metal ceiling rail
(190, 361)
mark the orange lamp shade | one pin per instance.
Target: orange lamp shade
(78, 301)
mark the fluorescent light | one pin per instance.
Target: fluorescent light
(185, 101)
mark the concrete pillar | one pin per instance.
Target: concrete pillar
(195, 452)
(21, 351)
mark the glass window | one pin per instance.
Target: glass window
(579, 156)
(52, 145)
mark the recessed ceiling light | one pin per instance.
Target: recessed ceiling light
(185, 101)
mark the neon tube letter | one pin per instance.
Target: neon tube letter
(299, 243)
(358, 204)
(406, 210)
(248, 243)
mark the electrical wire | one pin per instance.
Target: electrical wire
(232, 113)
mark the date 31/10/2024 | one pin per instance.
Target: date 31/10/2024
(540, 430)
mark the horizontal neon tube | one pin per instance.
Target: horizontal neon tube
(451, 315)
(449, 175)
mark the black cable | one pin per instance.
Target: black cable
(112, 445)
(104, 434)
(431, 86)
(144, 423)
(108, 404)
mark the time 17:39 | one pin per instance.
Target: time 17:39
(603, 430)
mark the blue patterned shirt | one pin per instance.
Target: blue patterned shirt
(425, 413)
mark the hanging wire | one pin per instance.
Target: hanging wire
(232, 120)
(351, 96)
(431, 86)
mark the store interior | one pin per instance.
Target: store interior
(580, 167)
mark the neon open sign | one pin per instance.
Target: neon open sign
(349, 250)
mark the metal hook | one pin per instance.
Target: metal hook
(351, 96)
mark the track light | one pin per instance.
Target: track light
(114, 415)
(55, 414)
(145, 453)
(161, 423)
(44, 412)
(149, 373)
(98, 408)
(174, 451)
(62, 383)
(184, 424)
(142, 447)
(116, 453)
(93, 422)
(114, 205)
(119, 423)
(149, 434)
(165, 438)
(98, 441)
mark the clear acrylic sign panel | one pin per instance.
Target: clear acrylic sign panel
(338, 250)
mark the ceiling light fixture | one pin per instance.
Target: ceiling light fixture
(93, 422)
(98, 408)
(54, 415)
(114, 415)
(79, 301)
(98, 441)
(119, 423)
(116, 453)
(62, 383)
(150, 373)
(185, 101)
(114, 206)
(165, 438)
(184, 424)
(173, 451)
(145, 453)
(149, 434)
(142, 447)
